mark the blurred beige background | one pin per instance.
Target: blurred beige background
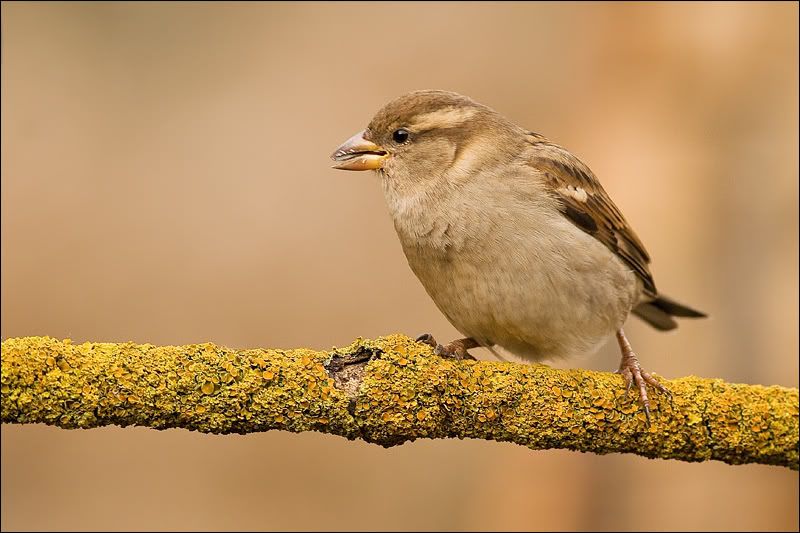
(165, 179)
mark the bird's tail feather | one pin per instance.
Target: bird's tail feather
(659, 312)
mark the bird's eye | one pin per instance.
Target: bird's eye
(400, 136)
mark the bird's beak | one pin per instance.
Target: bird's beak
(357, 153)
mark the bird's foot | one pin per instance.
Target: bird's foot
(631, 371)
(455, 350)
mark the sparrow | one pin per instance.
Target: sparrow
(512, 236)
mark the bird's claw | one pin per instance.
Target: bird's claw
(427, 338)
(454, 350)
(632, 373)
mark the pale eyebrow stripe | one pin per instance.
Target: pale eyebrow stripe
(449, 117)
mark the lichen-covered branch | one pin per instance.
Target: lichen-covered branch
(389, 391)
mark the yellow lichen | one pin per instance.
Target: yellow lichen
(406, 393)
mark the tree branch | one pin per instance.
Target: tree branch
(389, 391)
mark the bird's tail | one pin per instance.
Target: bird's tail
(659, 313)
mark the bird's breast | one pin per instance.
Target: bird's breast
(525, 279)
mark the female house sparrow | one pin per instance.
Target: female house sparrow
(512, 236)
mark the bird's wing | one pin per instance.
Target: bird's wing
(588, 206)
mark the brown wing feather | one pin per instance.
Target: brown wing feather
(593, 212)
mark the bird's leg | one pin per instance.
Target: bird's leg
(632, 372)
(456, 349)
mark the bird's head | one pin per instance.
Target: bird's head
(425, 135)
